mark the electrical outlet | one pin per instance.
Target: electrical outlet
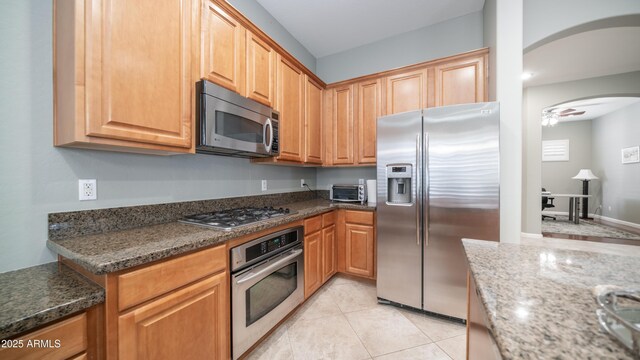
(264, 185)
(87, 189)
(301, 183)
(361, 181)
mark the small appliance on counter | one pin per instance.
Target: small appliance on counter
(371, 192)
(348, 193)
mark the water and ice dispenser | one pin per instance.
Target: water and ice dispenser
(399, 184)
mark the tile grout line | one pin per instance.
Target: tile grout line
(418, 327)
(358, 336)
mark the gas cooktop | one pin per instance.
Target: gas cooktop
(233, 218)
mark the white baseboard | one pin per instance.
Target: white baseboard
(616, 221)
(555, 213)
(596, 216)
(530, 235)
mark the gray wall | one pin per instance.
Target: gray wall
(267, 23)
(489, 39)
(619, 185)
(539, 97)
(449, 37)
(557, 175)
(544, 18)
(503, 36)
(328, 176)
(36, 178)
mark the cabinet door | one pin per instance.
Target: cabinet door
(313, 122)
(359, 249)
(261, 70)
(222, 51)
(343, 125)
(191, 323)
(312, 263)
(369, 106)
(290, 98)
(406, 91)
(138, 71)
(328, 252)
(460, 82)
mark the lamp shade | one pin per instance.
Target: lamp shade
(585, 174)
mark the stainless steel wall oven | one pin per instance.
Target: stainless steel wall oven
(267, 277)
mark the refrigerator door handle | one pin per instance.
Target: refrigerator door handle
(418, 188)
(425, 192)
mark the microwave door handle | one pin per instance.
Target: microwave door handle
(268, 267)
(264, 135)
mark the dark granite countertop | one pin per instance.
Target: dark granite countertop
(113, 251)
(41, 294)
(539, 300)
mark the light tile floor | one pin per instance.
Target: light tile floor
(343, 320)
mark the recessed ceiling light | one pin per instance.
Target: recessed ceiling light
(526, 76)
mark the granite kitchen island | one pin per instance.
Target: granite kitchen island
(539, 303)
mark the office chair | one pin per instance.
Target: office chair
(547, 202)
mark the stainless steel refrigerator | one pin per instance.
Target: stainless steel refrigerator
(438, 181)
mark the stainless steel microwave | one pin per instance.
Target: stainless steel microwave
(232, 125)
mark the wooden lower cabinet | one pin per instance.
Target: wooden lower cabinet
(359, 243)
(190, 323)
(319, 251)
(480, 342)
(312, 263)
(70, 336)
(328, 252)
(356, 245)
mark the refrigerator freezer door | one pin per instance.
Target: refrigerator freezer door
(462, 182)
(399, 148)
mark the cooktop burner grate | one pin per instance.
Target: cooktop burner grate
(229, 219)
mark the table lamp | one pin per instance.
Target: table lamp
(585, 175)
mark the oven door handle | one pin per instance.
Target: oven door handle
(268, 267)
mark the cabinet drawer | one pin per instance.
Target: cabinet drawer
(72, 336)
(359, 217)
(312, 224)
(328, 219)
(146, 283)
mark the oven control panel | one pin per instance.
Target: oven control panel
(264, 247)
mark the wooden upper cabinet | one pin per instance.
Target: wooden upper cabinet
(369, 109)
(343, 125)
(460, 82)
(261, 70)
(123, 74)
(406, 91)
(290, 98)
(313, 122)
(222, 50)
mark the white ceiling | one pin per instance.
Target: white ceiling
(594, 108)
(327, 27)
(584, 55)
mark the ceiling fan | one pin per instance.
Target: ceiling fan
(569, 112)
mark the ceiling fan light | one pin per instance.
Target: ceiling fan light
(545, 121)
